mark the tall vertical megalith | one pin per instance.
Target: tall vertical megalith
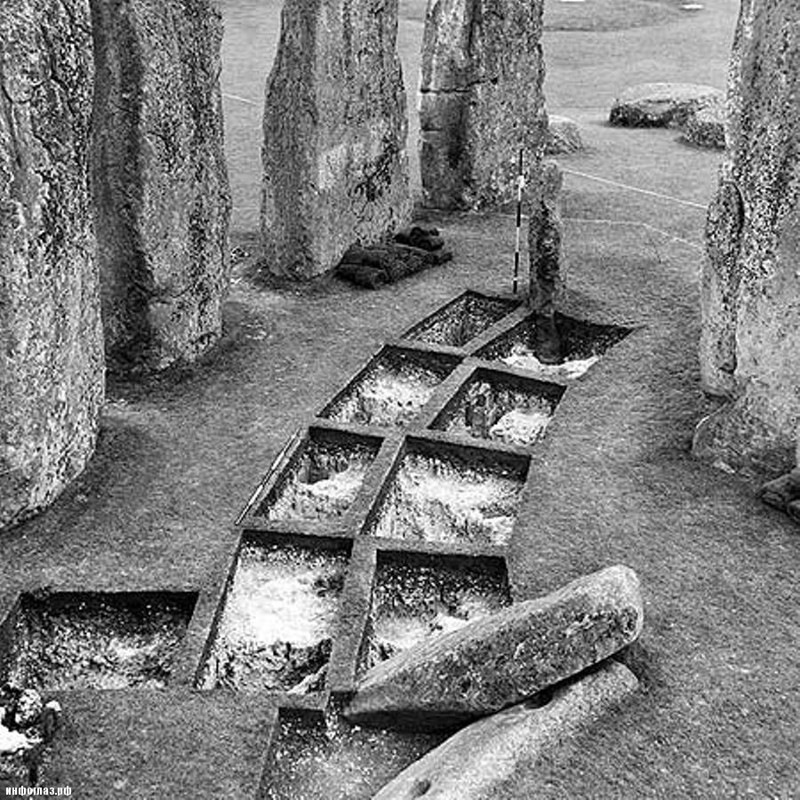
(334, 156)
(160, 181)
(51, 351)
(750, 347)
(481, 100)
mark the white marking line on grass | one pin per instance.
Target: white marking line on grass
(653, 228)
(630, 188)
(240, 99)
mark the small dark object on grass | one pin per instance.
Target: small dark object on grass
(418, 236)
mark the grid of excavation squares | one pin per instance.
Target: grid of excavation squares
(461, 320)
(418, 596)
(274, 631)
(80, 640)
(502, 407)
(392, 389)
(321, 477)
(445, 492)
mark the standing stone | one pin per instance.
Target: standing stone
(750, 345)
(160, 181)
(501, 659)
(481, 101)
(476, 762)
(335, 163)
(51, 351)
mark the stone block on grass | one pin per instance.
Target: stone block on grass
(660, 105)
(474, 763)
(504, 658)
(705, 126)
(51, 340)
(563, 136)
(160, 181)
(334, 155)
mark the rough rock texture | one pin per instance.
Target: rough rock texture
(51, 352)
(335, 163)
(503, 658)
(660, 105)
(160, 181)
(481, 101)
(750, 343)
(475, 762)
(705, 126)
(563, 136)
(544, 239)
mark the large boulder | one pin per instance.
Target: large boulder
(705, 126)
(563, 136)
(335, 163)
(481, 101)
(51, 350)
(160, 181)
(660, 105)
(476, 762)
(501, 659)
(750, 342)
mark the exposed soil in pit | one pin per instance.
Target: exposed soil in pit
(337, 762)
(390, 393)
(321, 483)
(462, 320)
(412, 602)
(446, 500)
(277, 620)
(582, 345)
(498, 411)
(66, 642)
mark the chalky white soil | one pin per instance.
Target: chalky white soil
(523, 358)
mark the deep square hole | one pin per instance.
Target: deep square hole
(461, 320)
(65, 640)
(312, 757)
(322, 477)
(582, 344)
(501, 407)
(392, 389)
(418, 596)
(275, 629)
(442, 492)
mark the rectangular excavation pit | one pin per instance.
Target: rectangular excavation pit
(461, 320)
(317, 755)
(321, 478)
(76, 640)
(444, 492)
(274, 630)
(580, 346)
(501, 407)
(392, 389)
(417, 596)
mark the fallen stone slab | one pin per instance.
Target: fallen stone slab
(660, 105)
(334, 156)
(420, 236)
(780, 492)
(387, 263)
(563, 136)
(705, 126)
(475, 762)
(162, 202)
(51, 339)
(501, 659)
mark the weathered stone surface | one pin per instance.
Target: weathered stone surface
(750, 343)
(387, 263)
(481, 101)
(503, 658)
(160, 181)
(705, 126)
(475, 762)
(335, 163)
(51, 352)
(544, 241)
(660, 105)
(563, 136)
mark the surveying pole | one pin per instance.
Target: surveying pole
(520, 187)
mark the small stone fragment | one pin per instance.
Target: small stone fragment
(422, 237)
(660, 105)
(563, 136)
(705, 125)
(476, 761)
(781, 491)
(501, 659)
